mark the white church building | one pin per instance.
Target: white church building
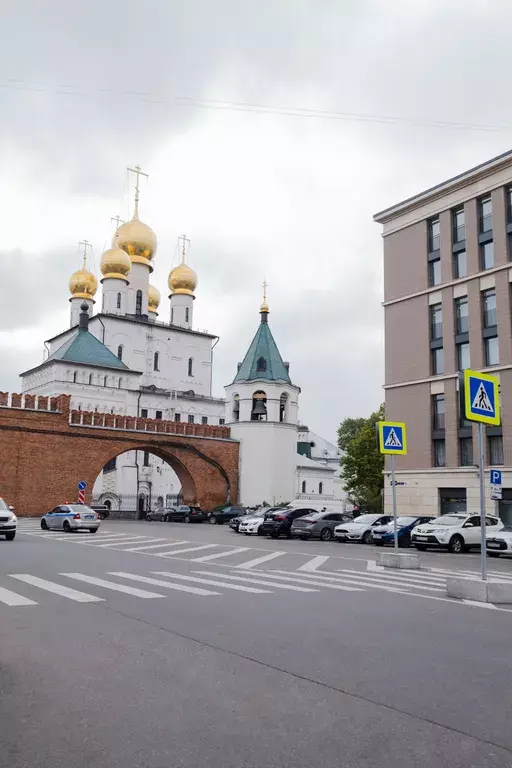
(120, 358)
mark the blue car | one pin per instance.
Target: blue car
(384, 534)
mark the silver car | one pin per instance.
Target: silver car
(7, 521)
(71, 517)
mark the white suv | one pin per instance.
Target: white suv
(457, 533)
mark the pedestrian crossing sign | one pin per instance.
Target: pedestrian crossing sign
(392, 437)
(481, 397)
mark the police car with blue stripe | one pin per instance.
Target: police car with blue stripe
(71, 517)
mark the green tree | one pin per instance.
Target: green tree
(362, 464)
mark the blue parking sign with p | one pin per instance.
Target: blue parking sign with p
(496, 477)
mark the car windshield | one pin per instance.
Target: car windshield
(80, 508)
(3, 505)
(405, 520)
(449, 520)
(362, 519)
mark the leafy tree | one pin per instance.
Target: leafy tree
(362, 464)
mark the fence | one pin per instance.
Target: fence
(132, 506)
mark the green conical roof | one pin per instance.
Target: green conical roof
(263, 359)
(85, 348)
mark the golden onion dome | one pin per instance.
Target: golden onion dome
(115, 263)
(153, 298)
(82, 284)
(182, 279)
(138, 240)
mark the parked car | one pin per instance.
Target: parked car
(234, 523)
(185, 514)
(319, 525)
(385, 534)
(279, 522)
(224, 515)
(71, 517)
(252, 523)
(499, 543)
(457, 533)
(8, 521)
(360, 529)
(158, 514)
(101, 510)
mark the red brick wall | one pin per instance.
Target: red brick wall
(43, 456)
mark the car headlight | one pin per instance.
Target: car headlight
(13, 518)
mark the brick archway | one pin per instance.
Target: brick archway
(45, 450)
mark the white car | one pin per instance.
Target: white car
(361, 529)
(249, 525)
(499, 542)
(457, 533)
(8, 521)
(71, 517)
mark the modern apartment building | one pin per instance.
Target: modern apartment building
(447, 299)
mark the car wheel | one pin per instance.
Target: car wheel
(367, 537)
(93, 530)
(325, 534)
(10, 536)
(162, 519)
(404, 541)
(274, 535)
(102, 516)
(66, 526)
(456, 545)
(247, 534)
(44, 525)
(148, 518)
(212, 520)
(421, 547)
(187, 519)
(260, 532)
(493, 554)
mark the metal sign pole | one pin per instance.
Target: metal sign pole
(393, 486)
(481, 460)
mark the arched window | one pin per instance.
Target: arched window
(303, 487)
(261, 365)
(190, 366)
(119, 301)
(74, 377)
(283, 403)
(156, 360)
(320, 487)
(259, 406)
(186, 314)
(160, 502)
(105, 381)
(90, 378)
(138, 303)
(120, 352)
(236, 408)
(119, 383)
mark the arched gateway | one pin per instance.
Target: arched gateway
(45, 449)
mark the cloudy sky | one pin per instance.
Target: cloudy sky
(219, 101)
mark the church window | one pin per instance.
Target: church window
(156, 359)
(320, 487)
(303, 487)
(186, 314)
(259, 406)
(204, 419)
(90, 378)
(190, 366)
(74, 377)
(138, 303)
(261, 365)
(120, 352)
(177, 417)
(172, 316)
(119, 301)
(222, 422)
(119, 383)
(144, 413)
(158, 415)
(191, 418)
(283, 401)
(146, 458)
(236, 408)
(105, 381)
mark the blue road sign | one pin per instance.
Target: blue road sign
(481, 397)
(82, 485)
(392, 437)
(496, 477)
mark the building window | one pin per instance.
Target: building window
(90, 378)
(156, 358)
(463, 357)
(120, 352)
(105, 379)
(437, 361)
(509, 205)
(158, 415)
(283, 402)
(204, 419)
(191, 418)
(459, 225)
(186, 314)
(303, 487)
(434, 272)
(261, 364)
(495, 450)
(485, 214)
(119, 301)
(172, 316)
(110, 465)
(487, 255)
(138, 303)
(460, 264)
(461, 315)
(236, 408)
(320, 487)
(177, 417)
(190, 366)
(434, 235)
(120, 383)
(146, 458)
(222, 422)
(466, 451)
(438, 412)
(436, 322)
(143, 413)
(74, 377)
(492, 356)
(490, 317)
(439, 450)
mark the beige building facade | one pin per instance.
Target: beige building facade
(447, 301)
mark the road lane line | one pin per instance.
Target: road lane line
(188, 549)
(207, 558)
(154, 546)
(315, 563)
(367, 581)
(259, 560)
(11, 598)
(213, 583)
(58, 589)
(111, 585)
(265, 582)
(166, 584)
(310, 581)
(135, 540)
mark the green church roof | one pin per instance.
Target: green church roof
(263, 359)
(86, 349)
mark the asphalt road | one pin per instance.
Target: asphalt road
(244, 653)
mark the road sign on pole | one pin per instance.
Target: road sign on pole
(393, 441)
(496, 477)
(82, 485)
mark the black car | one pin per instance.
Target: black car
(101, 510)
(320, 525)
(279, 522)
(219, 516)
(185, 514)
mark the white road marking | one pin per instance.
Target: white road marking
(78, 539)
(207, 558)
(58, 589)
(315, 563)
(135, 540)
(154, 546)
(309, 581)
(364, 580)
(329, 581)
(188, 549)
(399, 581)
(265, 582)
(480, 604)
(166, 584)
(11, 598)
(111, 585)
(215, 583)
(259, 560)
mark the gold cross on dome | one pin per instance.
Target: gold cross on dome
(86, 244)
(118, 221)
(138, 172)
(184, 241)
(265, 286)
